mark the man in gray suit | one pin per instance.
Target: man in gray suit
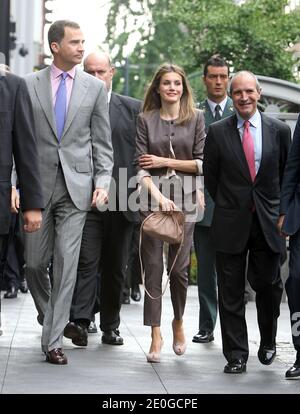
(216, 106)
(74, 138)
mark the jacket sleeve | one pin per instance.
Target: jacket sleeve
(25, 151)
(198, 150)
(103, 159)
(141, 146)
(211, 163)
(291, 176)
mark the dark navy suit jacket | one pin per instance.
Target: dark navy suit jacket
(17, 138)
(290, 192)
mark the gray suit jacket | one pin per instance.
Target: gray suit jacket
(85, 151)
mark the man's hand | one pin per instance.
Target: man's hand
(15, 200)
(148, 161)
(100, 197)
(33, 220)
(200, 199)
(279, 225)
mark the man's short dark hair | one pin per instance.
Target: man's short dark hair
(217, 61)
(57, 30)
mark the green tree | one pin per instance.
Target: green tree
(159, 39)
(253, 36)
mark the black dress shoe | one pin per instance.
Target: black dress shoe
(23, 286)
(235, 367)
(92, 328)
(203, 337)
(112, 337)
(136, 293)
(126, 300)
(40, 319)
(294, 371)
(11, 293)
(77, 332)
(266, 354)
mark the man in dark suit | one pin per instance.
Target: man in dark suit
(107, 234)
(216, 106)
(244, 159)
(289, 225)
(17, 139)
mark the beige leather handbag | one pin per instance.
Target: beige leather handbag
(165, 227)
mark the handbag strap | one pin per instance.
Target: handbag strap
(141, 263)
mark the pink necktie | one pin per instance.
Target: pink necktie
(248, 146)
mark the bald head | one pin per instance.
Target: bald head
(246, 74)
(99, 65)
(245, 92)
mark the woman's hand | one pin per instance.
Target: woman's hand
(167, 205)
(148, 161)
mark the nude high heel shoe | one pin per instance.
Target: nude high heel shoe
(154, 357)
(178, 348)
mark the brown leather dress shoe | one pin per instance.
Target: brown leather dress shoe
(77, 332)
(56, 356)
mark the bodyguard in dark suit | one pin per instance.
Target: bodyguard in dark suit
(289, 225)
(216, 106)
(17, 139)
(107, 234)
(244, 159)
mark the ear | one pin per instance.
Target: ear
(55, 47)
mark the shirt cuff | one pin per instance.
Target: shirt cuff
(199, 166)
(141, 174)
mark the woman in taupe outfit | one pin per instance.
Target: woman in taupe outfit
(170, 141)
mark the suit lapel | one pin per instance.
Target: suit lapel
(208, 115)
(236, 145)
(267, 134)
(114, 110)
(79, 90)
(43, 91)
(229, 108)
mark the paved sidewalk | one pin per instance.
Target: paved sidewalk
(106, 369)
